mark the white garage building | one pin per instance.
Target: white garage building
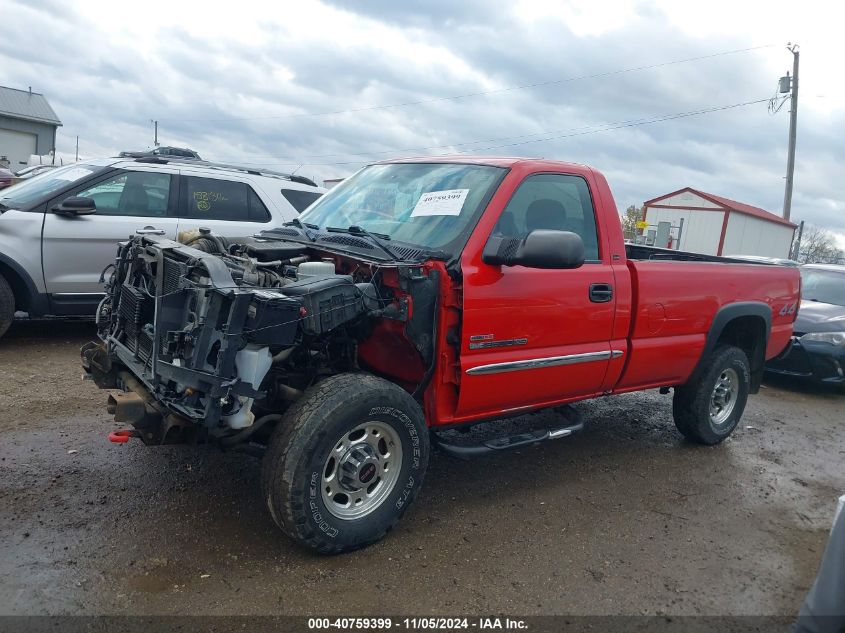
(27, 126)
(714, 225)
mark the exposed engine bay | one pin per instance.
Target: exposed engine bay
(223, 336)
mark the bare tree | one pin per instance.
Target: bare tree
(818, 246)
(629, 220)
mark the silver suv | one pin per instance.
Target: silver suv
(59, 230)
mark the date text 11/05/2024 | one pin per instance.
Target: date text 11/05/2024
(415, 624)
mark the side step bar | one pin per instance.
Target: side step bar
(487, 447)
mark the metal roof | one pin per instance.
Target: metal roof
(726, 203)
(23, 104)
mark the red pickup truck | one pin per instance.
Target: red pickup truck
(417, 296)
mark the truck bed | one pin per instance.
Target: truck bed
(642, 252)
(675, 298)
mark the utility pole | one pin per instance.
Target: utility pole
(793, 123)
(77, 148)
(797, 250)
(155, 133)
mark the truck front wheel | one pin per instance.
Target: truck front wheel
(345, 463)
(707, 410)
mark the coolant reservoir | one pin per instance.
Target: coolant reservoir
(253, 362)
(314, 269)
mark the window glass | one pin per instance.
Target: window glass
(300, 200)
(257, 210)
(131, 193)
(214, 199)
(45, 184)
(428, 204)
(552, 201)
(823, 285)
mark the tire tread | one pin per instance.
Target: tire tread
(287, 445)
(690, 406)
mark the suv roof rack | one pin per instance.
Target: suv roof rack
(164, 160)
(162, 150)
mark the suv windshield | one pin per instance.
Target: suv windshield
(43, 185)
(426, 204)
(827, 286)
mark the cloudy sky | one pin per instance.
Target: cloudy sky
(324, 87)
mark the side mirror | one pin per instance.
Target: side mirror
(541, 248)
(76, 206)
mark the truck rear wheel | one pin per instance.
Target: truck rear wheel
(7, 305)
(707, 410)
(345, 463)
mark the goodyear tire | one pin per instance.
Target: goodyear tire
(7, 305)
(707, 410)
(345, 463)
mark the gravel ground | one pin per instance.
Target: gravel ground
(623, 518)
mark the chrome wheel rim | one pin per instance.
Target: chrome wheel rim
(361, 470)
(723, 399)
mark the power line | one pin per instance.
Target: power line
(617, 126)
(467, 95)
(432, 147)
(593, 129)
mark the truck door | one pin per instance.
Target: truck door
(76, 249)
(532, 336)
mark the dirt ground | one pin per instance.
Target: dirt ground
(623, 518)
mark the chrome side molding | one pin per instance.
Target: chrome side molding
(549, 361)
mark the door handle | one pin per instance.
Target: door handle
(601, 293)
(149, 230)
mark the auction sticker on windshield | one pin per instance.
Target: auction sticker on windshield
(449, 202)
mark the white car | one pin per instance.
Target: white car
(60, 229)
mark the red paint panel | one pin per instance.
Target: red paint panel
(550, 310)
(494, 394)
(661, 360)
(441, 396)
(780, 337)
(388, 352)
(675, 303)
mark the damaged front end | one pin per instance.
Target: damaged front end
(209, 346)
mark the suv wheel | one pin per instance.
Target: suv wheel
(707, 410)
(7, 305)
(345, 463)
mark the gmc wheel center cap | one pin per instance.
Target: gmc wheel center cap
(367, 472)
(358, 467)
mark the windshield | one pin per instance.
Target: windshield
(426, 204)
(827, 286)
(43, 185)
